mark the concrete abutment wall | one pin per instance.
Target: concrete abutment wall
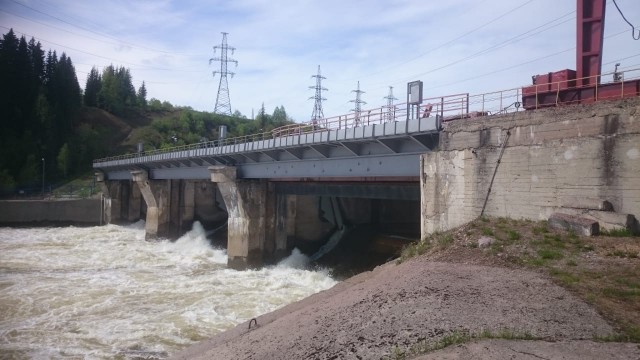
(580, 160)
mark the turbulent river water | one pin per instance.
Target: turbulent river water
(104, 292)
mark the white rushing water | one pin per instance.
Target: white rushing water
(105, 292)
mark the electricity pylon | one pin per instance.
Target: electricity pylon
(391, 109)
(357, 104)
(223, 102)
(318, 114)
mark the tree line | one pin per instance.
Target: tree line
(113, 91)
(39, 100)
(42, 125)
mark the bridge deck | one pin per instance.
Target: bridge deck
(377, 150)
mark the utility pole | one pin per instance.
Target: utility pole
(318, 114)
(223, 102)
(43, 178)
(358, 104)
(391, 109)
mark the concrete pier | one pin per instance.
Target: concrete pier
(156, 194)
(246, 203)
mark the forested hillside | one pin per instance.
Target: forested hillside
(46, 120)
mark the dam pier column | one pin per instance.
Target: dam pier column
(111, 205)
(157, 196)
(251, 212)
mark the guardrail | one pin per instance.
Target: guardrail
(449, 107)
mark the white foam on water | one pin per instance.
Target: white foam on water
(104, 291)
(296, 260)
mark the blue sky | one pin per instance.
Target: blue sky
(454, 46)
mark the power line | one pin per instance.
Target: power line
(448, 42)
(502, 44)
(92, 31)
(139, 66)
(223, 101)
(527, 62)
(633, 28)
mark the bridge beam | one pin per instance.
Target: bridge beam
(252, 211)
(157, 196)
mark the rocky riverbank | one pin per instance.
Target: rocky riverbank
(427, 302)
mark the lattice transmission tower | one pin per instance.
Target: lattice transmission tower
(391, 109)
(223, 102)
(357, 108)
(318, 114)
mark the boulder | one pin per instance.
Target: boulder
(580, 225)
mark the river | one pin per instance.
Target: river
(104, 292)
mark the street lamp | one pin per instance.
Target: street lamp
(43, 178)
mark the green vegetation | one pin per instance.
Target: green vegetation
(39, 100)
(48, 123)
(487, 231)
(455, 338)
(616, 232)
(603, 270)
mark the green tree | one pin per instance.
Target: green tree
(279, 117)
(92, 88)
(63, 159)
(142, 96)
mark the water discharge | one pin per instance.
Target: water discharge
(104, 292)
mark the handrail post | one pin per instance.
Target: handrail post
(467, 103)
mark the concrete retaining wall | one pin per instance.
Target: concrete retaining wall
(572, 159)
(17, 212)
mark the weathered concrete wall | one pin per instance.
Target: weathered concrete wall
(16, 212)
(572, 158)
(208, 203)
(307, 226)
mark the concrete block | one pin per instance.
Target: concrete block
(580, 225)
(581, 202)
(608, 220)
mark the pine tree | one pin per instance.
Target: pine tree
(142, 96)
(92, 88)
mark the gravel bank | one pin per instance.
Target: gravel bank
(366, 316)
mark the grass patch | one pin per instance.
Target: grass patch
(537, 262)
(564, 277)
(543, 228)
(587, 248)
(623, 254)
(487, 231)
(513, 235)
(414, 249)
(622, 294)
(445, 240)
(455, 338)
(550, 254)
(616, 232)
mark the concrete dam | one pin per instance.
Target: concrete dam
(414, 176)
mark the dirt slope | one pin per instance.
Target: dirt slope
(399, 306)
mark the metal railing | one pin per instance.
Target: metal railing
(622, 84)
(449, 107)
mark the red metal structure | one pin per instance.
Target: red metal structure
(581, 86)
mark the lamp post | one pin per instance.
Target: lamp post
(43, 178)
